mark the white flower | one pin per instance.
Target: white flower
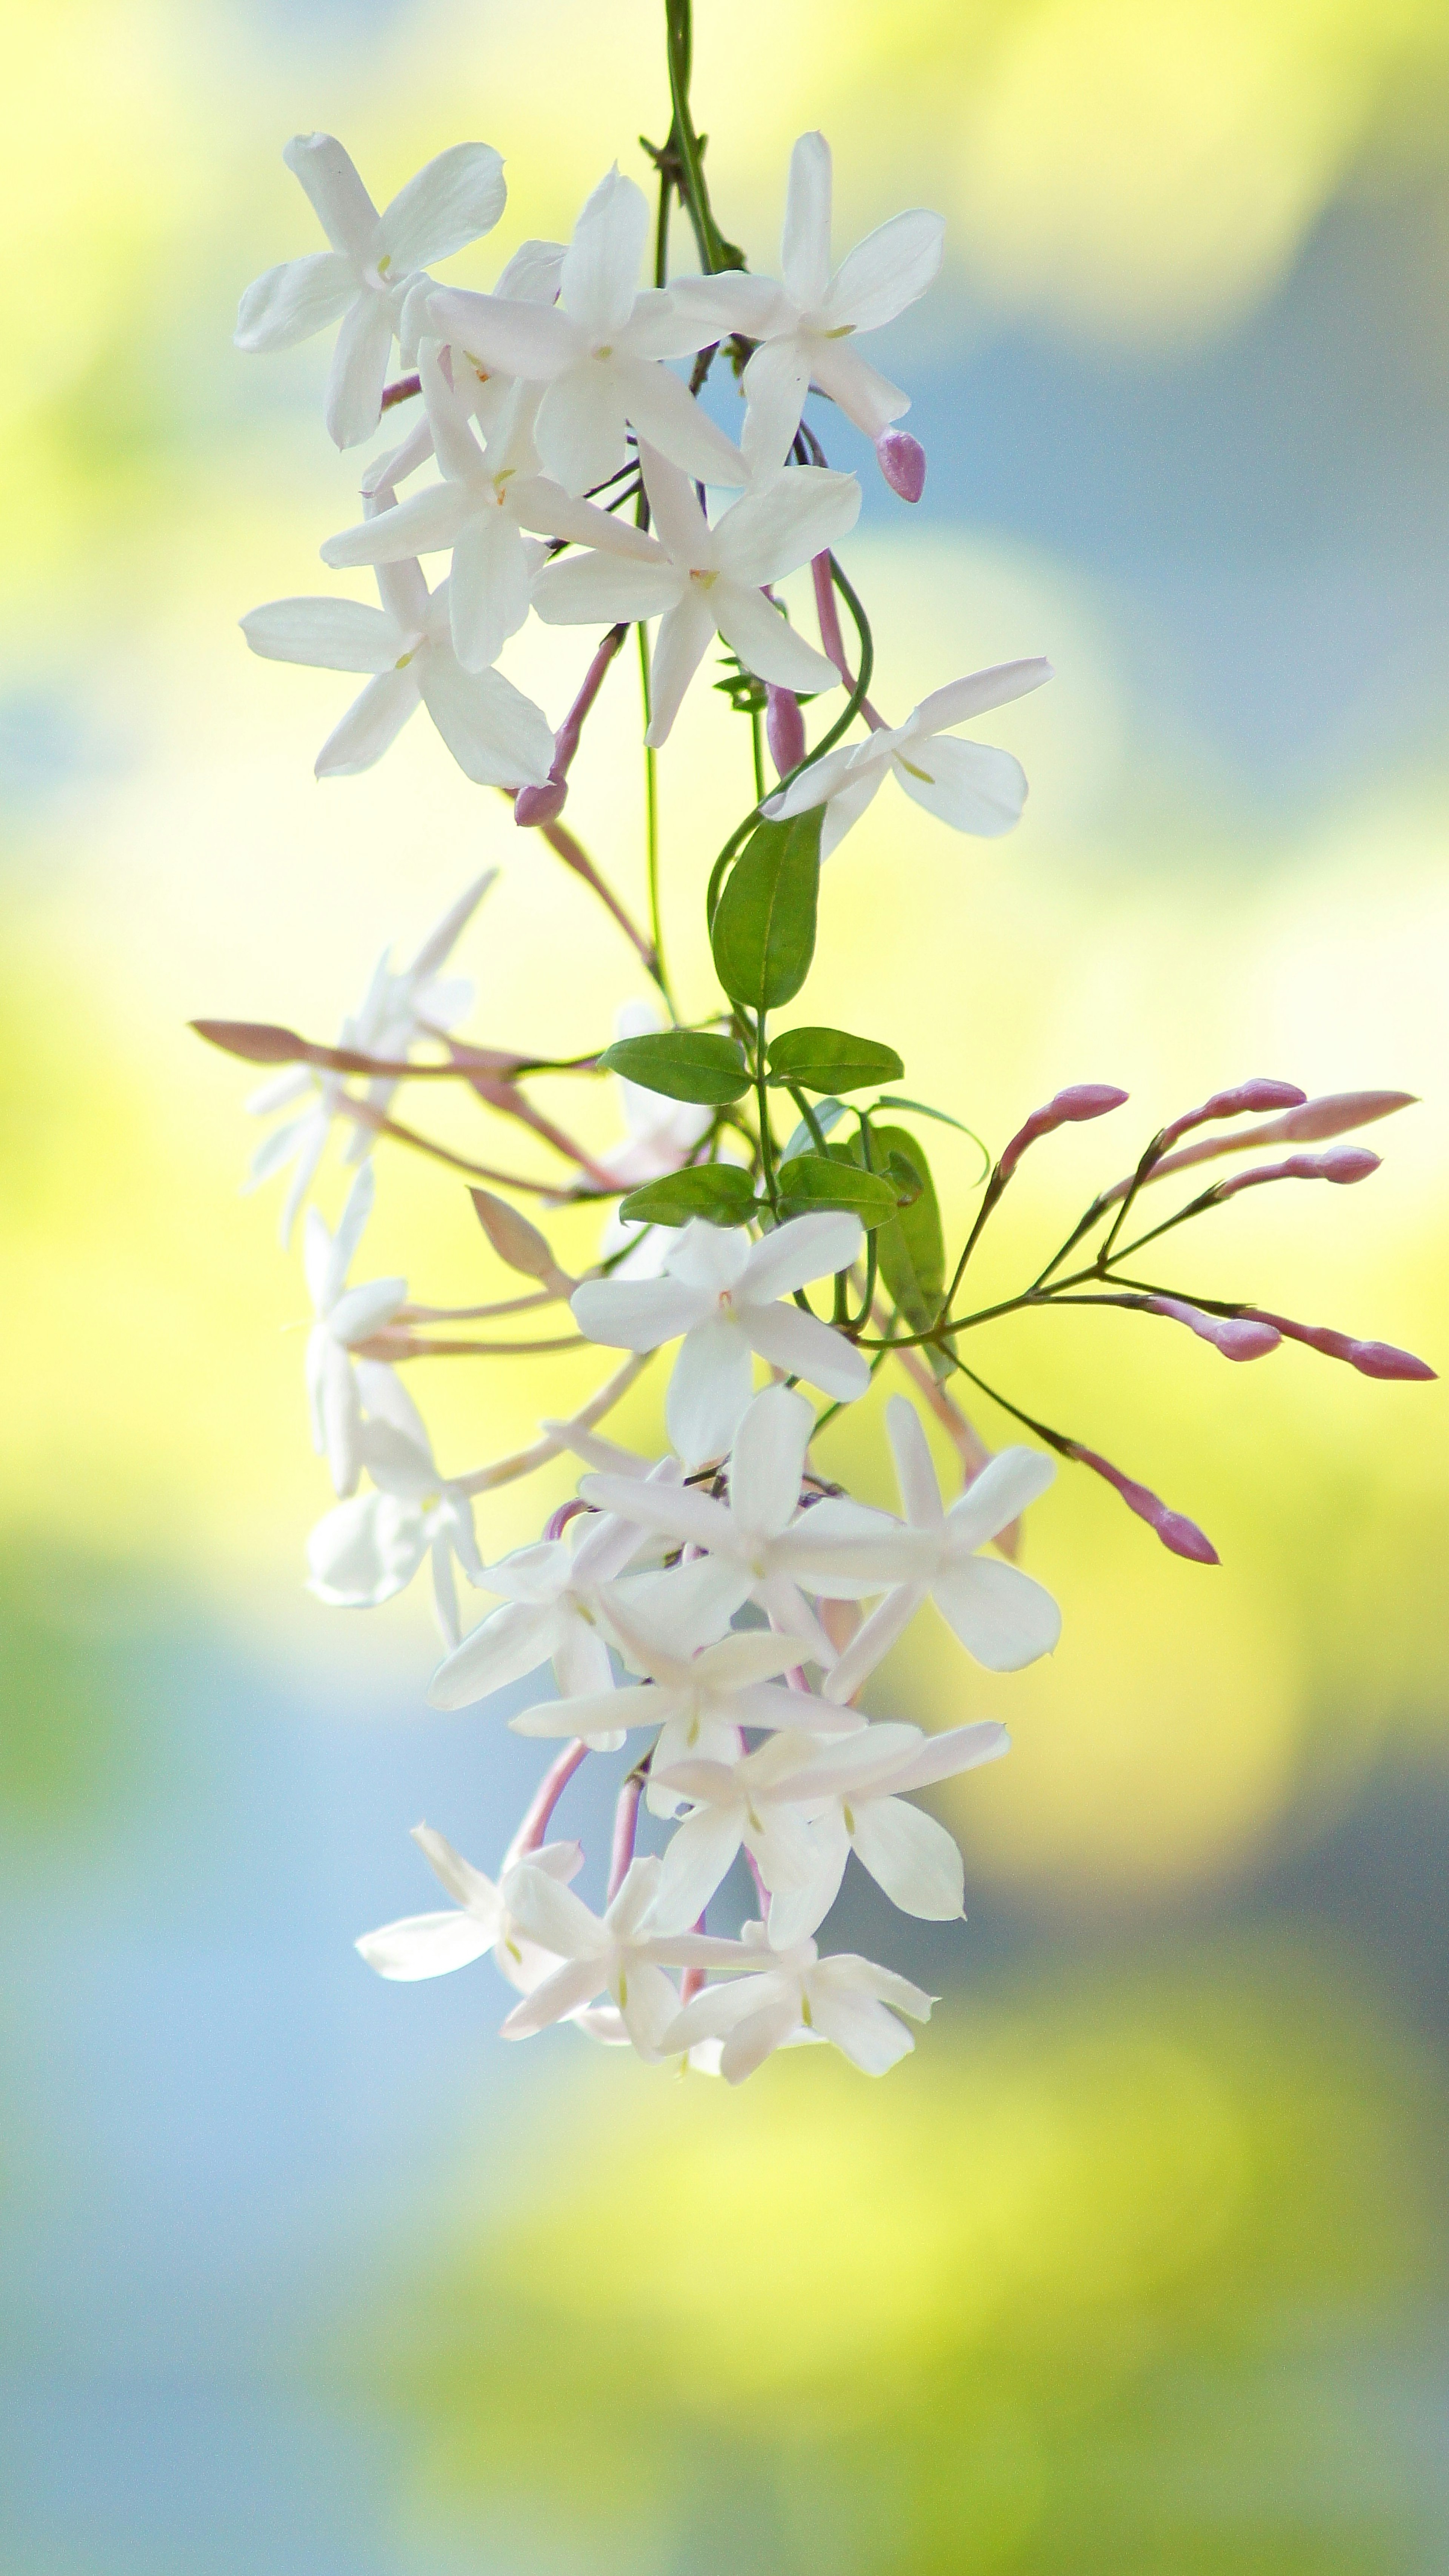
(396, 1011)
(761, 1545)
(807, 327)
(497, 736)
(429, 1945)
(727, 1296)
(1000, 1615)
(702, 581)
(345, 1316)
(597, 352)
(766, 1801)
(480, 510)
(969, 785)
(370, 1547)
(801, 1996)
(662, 1134)
(620, 1955)
(531, 276)
(699, 1701)
(364, 277)
(910, 1856)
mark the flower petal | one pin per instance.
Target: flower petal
(978, 693)
(601, 265)
(637, 1314)
(776, 382)
(675, 514)
(497, 736)
(911, 1857)
(754, 2038)
(487, 588)
(325, 634)
(359, 370)
(915, 1469)
(552, 1915)
(365, 1551)
(287, 304)
(454, 198)
(555, 1999)
(425, 1945)
(767, 1460)
(505, 1646)
(969, 785)
(709, 1390)
(1001, 1616)
(1016, 1478)
(805, 1346)
(941, 1757)
(805, 240)
(806, 1248)
(801, 514)
(344, 209)
(605, 589)
(874, 1639)
(861, 2029)
(421, 525)
(686, 631)
(766, 643)
(699, 1853)
(887, 271)
(372, 722)
(860, 391)
(665, 412)
(504, 335)
(580, 425)
(466, 1885)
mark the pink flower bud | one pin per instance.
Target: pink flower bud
(784, 729)
(1334, 1115)
(1260, 1093)
(1082, 1100)
(1372, 1359)
(534, 805)
(902, 460)
(1349, 1163)
(1174, 1529)
(1237, 1337)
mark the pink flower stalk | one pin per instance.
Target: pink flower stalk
(1237, 1337)
(832, 642)
(693, 1978)
(1372, 1359)
(784, 729)
(533, 1831)
(1082, 1100)
(626, 1821)
(1350, 1163)
(1174, 1529)
(1260, 1093)
(535, 805)
(902, 460)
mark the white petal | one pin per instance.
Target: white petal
(977, 693)
(675, 514)
(404, 594)
(530, 341)
(805, 241)
(552, 1915)
(351, 1226)
(605, 589)
(360, 1312)
(555, 1999)
(860, 391)
(969, 785)
(425, 1945)
(765, 643)
(289, 303)
(581, 1664)
(466, 1885)
(709, 1390)
(508, 1644)
(767, 1461)
(799, 1909)
(651, 2003)
(326, 634)
(371, 723)
(664, 411)
(700, 1852)
(451, 201)
(790, 1339)
(808, 1247)
(637, 1314)
(847, 1974)
(885, 272)
(497, 736)
(1013, 1481)
(580, 427)
(862, 2030)
(1001, 1616)
(873, 1640)
(825, 778)
(776, 382)
(911, 1857)
(420, 525)
(365, 1551)
(803, 513)
(487, 589)
(359, 370)
(679, 1511)
(600, 1713)
(601, 265)
(709, 1256)
(848, 806)
(686, 632)
(941, 1757)
(915, 1470)
(344, 209)
(754, 2038)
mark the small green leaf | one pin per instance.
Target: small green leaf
(828, 1060)
(911, 1249)
(719, 1191)
(763, 931)
(812, 1181)
(685, 1064)
(828, 1114)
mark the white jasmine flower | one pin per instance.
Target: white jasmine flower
(619, 1955)
(699, 1701)
(766, 1802)
(597, 352)
(807, 327)
(364, 277)
(727, 1297)
(762, 1547)
(911, 1857)
(531, 277)
(702, 581)
(1001, 1616)
(369, 1548)
(480, 510)
(429, 1945)
(497, 736)
(345, 1316)
(969, 785)
(846, 2000)
(398, 1009)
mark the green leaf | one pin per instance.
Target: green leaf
(763, 931)
(924, 1110)
(812, 1181)
(828, 1060)
(719, 1191)
(911, 1249)
(828, 1114)
(685, 1064)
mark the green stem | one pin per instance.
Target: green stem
(686, 147)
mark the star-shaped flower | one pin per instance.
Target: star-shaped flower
(864, 1808)
(1001, 1616)
(728, 1297)
(846, 2000)
(766, 1802)
(620, 1954)
(701, 580)
(698, 1701)
(429, 1945)
(362, 280)
(370, 1547)
(497, 736)
(597, 352)
(807, 327)
(969, 785)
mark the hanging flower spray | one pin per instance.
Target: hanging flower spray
(772, 1213)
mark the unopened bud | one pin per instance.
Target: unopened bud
(902, 460)
(1350, 1163)
(519, 1243)
(1371, 1359)
(1237, 1337)
(1174, 1529)
(1258, 1094)
(1335, 1114)
(1082, 1100)
(784, 729)
(535, 805)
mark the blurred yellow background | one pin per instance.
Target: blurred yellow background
(1182, 388)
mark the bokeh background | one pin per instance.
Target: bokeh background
(1138, 2264)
